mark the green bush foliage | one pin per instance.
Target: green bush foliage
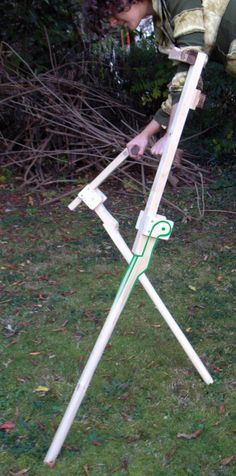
(145, 74)
(33, 27)
(218, 117)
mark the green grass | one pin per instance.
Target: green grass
(59, 276)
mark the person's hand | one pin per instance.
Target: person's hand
(136, 147)
(157, 148)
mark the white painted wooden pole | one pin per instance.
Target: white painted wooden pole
(84, 381)
(102, 176)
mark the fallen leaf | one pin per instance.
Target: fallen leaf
(69, 293)
(123, 465)
(86, 470)
(7, 426)
(30, 201)
(42, 296)
(133, 439)
(9, 331)
(117, 468)
(151, 364)
(6, 364)
(41, 425)
(125, 396)
(59, 329)
(13, 342)
(20, 437)
(192, 288)
(20, 379)
(169, 455)
(216, 369)
(72, 448)
(222, 409)
(96, 443)
(228, 460)
(190, 436)
(91, 317)
(41, 389)
(20, 473)
(126, 416)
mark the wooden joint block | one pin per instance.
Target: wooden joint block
(187, 56)
(198, 99)
(201, 101)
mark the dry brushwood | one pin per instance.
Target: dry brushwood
(54, 127)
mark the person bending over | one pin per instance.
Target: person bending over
(201, 25)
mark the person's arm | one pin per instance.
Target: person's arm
(188, 33)
(142, 139)
(158, 147)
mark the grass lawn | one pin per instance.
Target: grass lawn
(147, 412)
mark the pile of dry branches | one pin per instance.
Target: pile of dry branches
(57, 125)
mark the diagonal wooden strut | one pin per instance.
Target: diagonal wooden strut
(151, 227)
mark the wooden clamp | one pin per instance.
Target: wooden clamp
(187, 55)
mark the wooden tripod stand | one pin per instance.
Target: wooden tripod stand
(151, 227)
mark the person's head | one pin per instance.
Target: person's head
(125, 13)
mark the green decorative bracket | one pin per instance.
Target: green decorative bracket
(165, 231)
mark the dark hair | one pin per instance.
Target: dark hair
(97, 12)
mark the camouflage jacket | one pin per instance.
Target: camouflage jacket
(204, 25)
